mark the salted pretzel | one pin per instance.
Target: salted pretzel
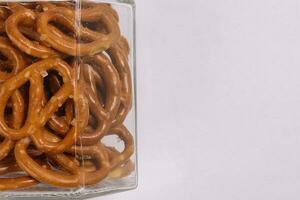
(16, 61)
(65, 85)
(73, 46)
(120, 162)
(26, 17)
(38, 115)
(118, 54)
(17, 104)
(47, 5)
(120, 158)
(76, 176)
(60, 124)
(103, 114)
(18, 182)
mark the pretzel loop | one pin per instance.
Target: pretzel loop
(77, 176)
(65, 85)
(38, 115)
(27, 17)
(123, 133)
(118, 54)
(68, 45)
(104, 115)
(17, 101)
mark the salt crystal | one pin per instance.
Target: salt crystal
(44, 74)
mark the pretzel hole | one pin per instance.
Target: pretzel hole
(93, 123)
(63, 25)
(101, 92)
(33, 152)
(91, 29)
(114, 141)
(100, 88)
(24, 89)
(98, 26)
(30, 33)
(5, 64)
(8, 115)
(13, 114)
(52, 82)
(70, 60)
(1, 140)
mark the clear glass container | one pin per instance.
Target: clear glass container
(67, 106)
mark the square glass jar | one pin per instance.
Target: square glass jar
(68, 98)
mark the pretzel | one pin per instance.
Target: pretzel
(14, 57)
(24, 181)
(120, 163)
(70, 46)
(104, 115)
(77, 176)
(120, 158)
(9, 165)
(65, 84)
(38, 116)
(59, 124)
(17, 101)
(18, 182)
(28, 18)
(89, 11)
(17, 119)
(118, 54)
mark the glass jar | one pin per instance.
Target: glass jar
(67, 106)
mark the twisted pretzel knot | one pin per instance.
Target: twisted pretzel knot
(65, 85)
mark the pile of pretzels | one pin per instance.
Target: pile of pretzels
(65, 85)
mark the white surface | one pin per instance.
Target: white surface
(219, 99)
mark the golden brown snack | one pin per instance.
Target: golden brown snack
(17, 63)
(73, 46)
(122, 157)
(65, 84)
(38, 115)
(10, 166)
(15, 60)
(103, 114)
(76, 176)
(119, 56)
(26, 17)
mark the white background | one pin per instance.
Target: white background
(218, 100)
